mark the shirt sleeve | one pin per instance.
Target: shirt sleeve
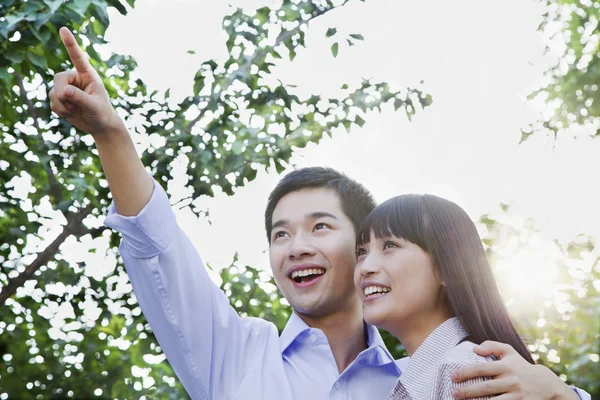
(583, 395)
(208, 345)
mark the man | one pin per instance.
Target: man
(326, 350)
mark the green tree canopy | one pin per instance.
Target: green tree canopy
(571, 92)
(63, 330)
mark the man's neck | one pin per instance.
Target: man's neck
(345, 333)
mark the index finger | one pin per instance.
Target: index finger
(80, 61)
(479, 370)
(497, 349)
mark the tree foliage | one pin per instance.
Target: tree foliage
(571, 92)
(560, 320)
(65, 330)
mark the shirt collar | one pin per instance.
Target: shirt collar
(374, 338)
(296, 326)
(424, 363)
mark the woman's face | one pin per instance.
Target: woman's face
(397, 282)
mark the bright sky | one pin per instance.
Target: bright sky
(479, 60)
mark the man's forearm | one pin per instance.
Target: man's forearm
(129, 183)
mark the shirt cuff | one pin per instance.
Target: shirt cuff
(147, 234)
(582, 395)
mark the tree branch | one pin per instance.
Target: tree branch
(54, 186)
(282, 37)
(74, 226)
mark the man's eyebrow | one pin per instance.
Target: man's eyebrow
(320, 214)
(278, 223)
(313, 216)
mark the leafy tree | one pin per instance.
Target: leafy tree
(65, 331)
(562, 324)
(571, 92)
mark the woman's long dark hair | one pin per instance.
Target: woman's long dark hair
(445, 231)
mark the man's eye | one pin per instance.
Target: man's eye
(360, 252)
(279, 234)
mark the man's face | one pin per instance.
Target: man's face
(313, 252)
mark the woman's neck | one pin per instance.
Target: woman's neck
(412, 333)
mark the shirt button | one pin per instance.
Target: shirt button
(337, 385)
(313, 338)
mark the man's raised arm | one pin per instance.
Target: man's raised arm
(208, 345)
(80, 97)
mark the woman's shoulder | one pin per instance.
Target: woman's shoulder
(460, 355)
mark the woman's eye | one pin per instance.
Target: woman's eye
(320, 226)
(360, 252)
(389, 244)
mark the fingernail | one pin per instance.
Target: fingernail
(69, 106)
(455, 393)
(69, 91)
(453, 376)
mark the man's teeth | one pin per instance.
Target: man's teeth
(307, 272)
(369, 290)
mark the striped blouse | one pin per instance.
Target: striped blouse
(429, 371)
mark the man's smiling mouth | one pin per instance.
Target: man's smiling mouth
(306, 274)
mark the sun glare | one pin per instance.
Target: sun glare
(527, 271)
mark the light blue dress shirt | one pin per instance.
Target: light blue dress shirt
(217, 354)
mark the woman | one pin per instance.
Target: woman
(424, 276)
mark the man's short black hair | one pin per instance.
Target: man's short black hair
(355, 199)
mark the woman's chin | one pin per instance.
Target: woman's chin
(374, 317)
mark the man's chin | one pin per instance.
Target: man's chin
(307, 305)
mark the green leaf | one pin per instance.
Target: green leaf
(211, 64)
(398, 103)
(79, 6)
(15, 57)
(290, 46)
(13, 20)
(331, 32)
(37, 60)
(191, 52)
(357, 36)
(334, 49)
(117, 4)
(345, 86)
(53, 5)
(5, 76)
(64, 205)
(42, 34)
(262, 14)
(237, 146)
(198, 82)
(279, 167)
(359, 121)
